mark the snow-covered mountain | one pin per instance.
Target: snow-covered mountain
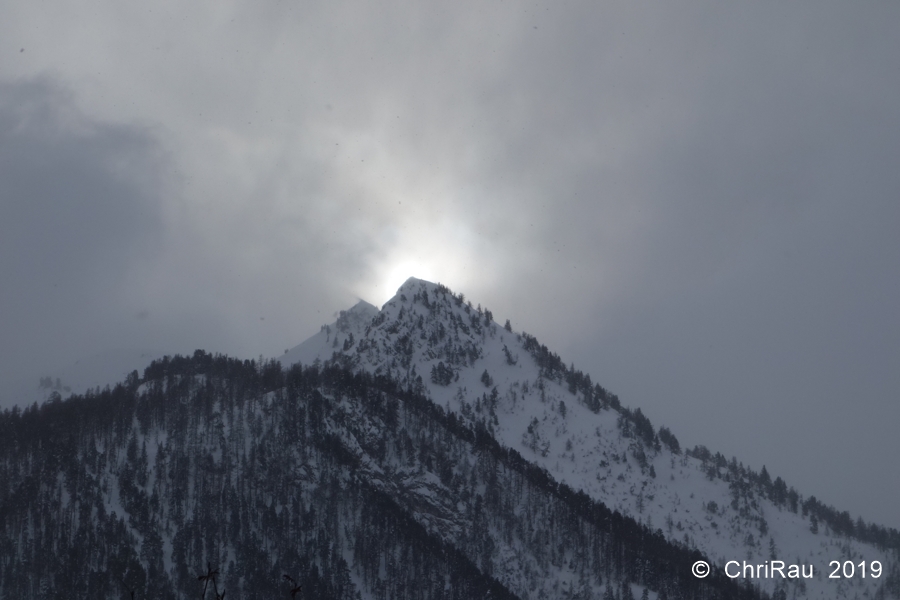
(417, 451)
(435, 342)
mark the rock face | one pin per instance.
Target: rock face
(417, 451)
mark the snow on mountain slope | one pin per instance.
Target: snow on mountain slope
(433, 341)
(323, 344)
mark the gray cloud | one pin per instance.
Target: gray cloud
(78, 209)
(695, 203)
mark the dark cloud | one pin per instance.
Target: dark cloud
(79, 208)
(729, 267)
(695, 203)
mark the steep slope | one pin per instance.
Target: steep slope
(321, 345)
(434, 342)
(354, 487)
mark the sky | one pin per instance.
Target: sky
(696, 202)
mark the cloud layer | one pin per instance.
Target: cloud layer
(695, 203)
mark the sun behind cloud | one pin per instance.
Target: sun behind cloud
(430, 255)
(401, 271)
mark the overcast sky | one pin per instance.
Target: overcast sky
(696, 202)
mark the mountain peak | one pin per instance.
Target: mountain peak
(351, 322)
(363, 308)
(432, 341)
(415, 287)
(414, 283)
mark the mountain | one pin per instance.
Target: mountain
(417, 451)
(321, 344)
(435, 342)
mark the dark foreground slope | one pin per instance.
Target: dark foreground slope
(353, 487)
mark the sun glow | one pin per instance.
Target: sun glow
(399, 272)
(450, 267)
(388, 277)
(419, 220)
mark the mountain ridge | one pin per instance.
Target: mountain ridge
(419, 451)
(720, 507)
